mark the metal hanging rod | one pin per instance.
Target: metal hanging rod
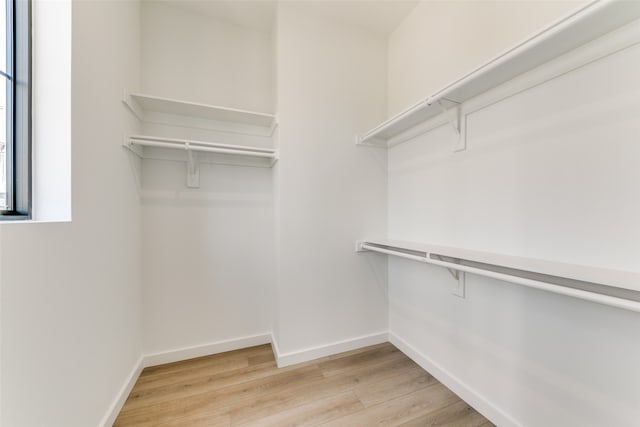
(623, 303)
(190, 145)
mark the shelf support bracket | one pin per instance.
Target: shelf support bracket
(193, 168)
(456, 123)
(135, 168)
(459, 288)
(371, 142)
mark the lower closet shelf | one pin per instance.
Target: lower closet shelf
(615, 288)
(200, 146)
(187, 151)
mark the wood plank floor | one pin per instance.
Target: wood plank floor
(377, 385)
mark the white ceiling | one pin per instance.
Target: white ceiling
(380, 16)
(258, 14)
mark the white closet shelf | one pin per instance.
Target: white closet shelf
(594, 20)
(621, 287)
(191, 145)
(142, 104)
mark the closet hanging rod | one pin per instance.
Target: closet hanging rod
(188, 146)
(137, 138)
(612, 301)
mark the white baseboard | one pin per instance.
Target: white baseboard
(466, 393)
(186, 353)
(276, 349)
(176, 356)
(123, 393)
(304, 355)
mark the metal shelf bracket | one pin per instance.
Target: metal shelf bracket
(459, 286)
(457, 122)
(193, 168)
(371, 142)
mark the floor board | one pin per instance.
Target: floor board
(377, 385)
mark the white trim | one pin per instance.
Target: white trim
(276, 350)
(312, 353)
(186, 353)
(123, 394)
(467, 393)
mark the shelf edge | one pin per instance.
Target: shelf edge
(511, 55)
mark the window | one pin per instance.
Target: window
(15, 109)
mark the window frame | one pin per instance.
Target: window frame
(18, 112)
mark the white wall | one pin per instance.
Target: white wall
(200, 58)
(331, 85)
(549, 173)
(441, 41)
(207, 253)
(70, 308)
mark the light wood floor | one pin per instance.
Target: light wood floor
(376, 385)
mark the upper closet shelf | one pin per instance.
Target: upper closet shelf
(589, 23)
(149, 108)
